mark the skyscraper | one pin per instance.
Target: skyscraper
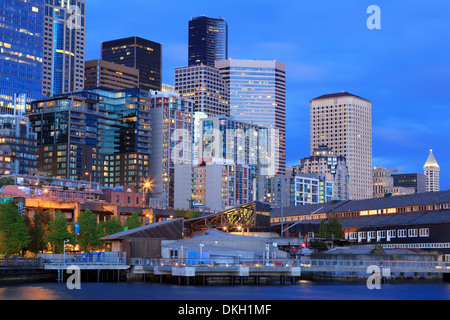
(343, 122)
(21, 53)
(138, 53)
(431, 170)
(205, 86)
(64, 46)
(256, 92)
(208, 40)
(172, 126)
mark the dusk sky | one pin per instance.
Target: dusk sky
(403, 68)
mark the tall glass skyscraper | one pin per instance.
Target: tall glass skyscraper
(64, 46)
(208, 40)
(138, 53)
(256, 91)
(21, 51)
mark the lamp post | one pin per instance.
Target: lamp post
(201, 251)
(64, 251)
(90, 183)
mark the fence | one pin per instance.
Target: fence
(18, 262)
(314, 265)
(104, 258)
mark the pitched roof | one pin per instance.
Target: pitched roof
(416, 199)
(431, 161)
(169, 229)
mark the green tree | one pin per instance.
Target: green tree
(6, 181)
(13, 233)
(58, 232)
(110, 226)
(318, 245)
(332, 229)
(90, 232)
(133, 222)
(38, 230)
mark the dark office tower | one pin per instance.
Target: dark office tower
(208, 40)
(138, 53)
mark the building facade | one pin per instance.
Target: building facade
(21, 54)
(415, 221)
(205, 86)
(172, 128)
(109, 75)
(208, 41)
(343, 122)
(431, 170)
(299, 190)
(18, 146)
(417, 181)
(214, 186)
(97, 134)
(256, 91)
(138, 53)
(64, 46)
(324, 160)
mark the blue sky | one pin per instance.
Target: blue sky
(403, 68)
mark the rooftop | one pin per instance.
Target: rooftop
(416, 199)
(339, 95)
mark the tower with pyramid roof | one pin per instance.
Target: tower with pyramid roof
(431, 170)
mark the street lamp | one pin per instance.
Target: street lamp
(147, 186)
(90, 183)
(64, 250)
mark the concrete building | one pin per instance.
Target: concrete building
(172, 128)
(324, 160)
(343, 122)
(205, 86)
(105, 74)
(383, 184)
(299, 189)
(257, 94)
(431, 170)
(213, 186)
(64, 46)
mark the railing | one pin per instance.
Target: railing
(217, 262)
(17, 262)
(306, 264)
(100, 258)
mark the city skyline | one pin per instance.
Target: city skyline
(328, 49)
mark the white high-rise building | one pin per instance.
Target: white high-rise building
(204, 85)
(343, 122)
(257, 93)
(431, 170)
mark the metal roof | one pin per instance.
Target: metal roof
(169, 229)
(416, 199)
